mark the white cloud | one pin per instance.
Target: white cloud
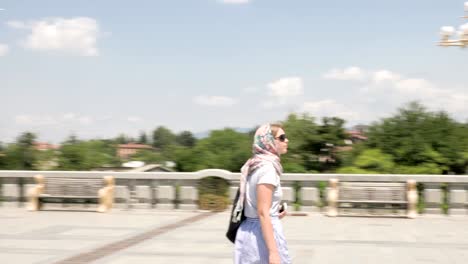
(350, 73)
(76, 35)
(395, 89)
(235, 2)
(17, 24)
(35, 120)
(250, 89)
(416, 87)
(47, 120)
(384, 91)
(134, 119)
(283, 89)
(3, 49)
(329, 108)
(385, 75)
(23, 119)
(85, 120)
(69, 116)
(214, 100)
(456, 103)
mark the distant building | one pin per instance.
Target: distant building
(361, 128)
(145, 168)
(126, 150)
(44, 146)
(343, 148)
(152, 168)
(356, 136)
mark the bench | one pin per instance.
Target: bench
(77, 190)
(372, 198)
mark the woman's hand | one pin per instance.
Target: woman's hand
(282, 210)
(274, 258)
(282, 214)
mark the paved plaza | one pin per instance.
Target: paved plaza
(153, 236)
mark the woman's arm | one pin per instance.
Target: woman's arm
(264, 197)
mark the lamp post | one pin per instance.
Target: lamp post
(447, 31)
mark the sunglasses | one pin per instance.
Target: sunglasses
(282, 138)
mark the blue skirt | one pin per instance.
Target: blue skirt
(250, 247)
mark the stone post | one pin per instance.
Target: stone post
(332, 198)
(412, 196)
(106, 195)
(33, 193)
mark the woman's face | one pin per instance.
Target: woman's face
(281, 142)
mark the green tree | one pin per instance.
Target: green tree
(23, 154)
(302, 132)
(3, 162)
(85, 155)
(309, 141)
(20, 155)
(72, 139)
(415, 137)
(370, 161)
(123, 139)
(223, 149)
(163, 138)
(462, 132)
(148, 156)
(186, 139)
(46, 160)
(143, 139)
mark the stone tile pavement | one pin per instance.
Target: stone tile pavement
(156, 236)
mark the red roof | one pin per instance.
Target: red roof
(44, 146)
(134, 146)
(356, 134)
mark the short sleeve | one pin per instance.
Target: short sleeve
(267, 175)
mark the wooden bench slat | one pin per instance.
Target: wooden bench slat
(67, 196)
(72, 187)
(366, 198)
(374, 201)
(368, 184)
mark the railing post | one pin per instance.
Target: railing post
(233, 187)
(121, 195)
(289, 197)
(310, 197)
(143, 196)
(11, 192)
(188, 195)
(458, 199)
(432, 198)
(165, 197)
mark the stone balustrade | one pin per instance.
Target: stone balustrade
(179, 190)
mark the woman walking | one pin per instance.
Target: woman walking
(260, 237)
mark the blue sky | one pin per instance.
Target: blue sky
(101, 68)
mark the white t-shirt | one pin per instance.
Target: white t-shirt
(264, 175)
